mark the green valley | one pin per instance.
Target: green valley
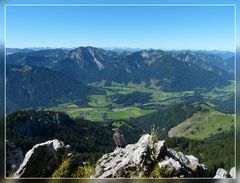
(115, 104)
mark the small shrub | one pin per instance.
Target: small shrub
(155, 134)
(155, 172)
(64, 170)
(72, 167)
(84, 171)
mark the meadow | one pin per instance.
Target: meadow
(204, 124)
(105, 108)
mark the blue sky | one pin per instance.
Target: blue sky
(138, 27)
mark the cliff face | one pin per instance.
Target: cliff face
(34, 123)
(147, 158)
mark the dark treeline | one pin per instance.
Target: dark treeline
(215, 152)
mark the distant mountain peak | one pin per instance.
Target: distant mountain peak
(174, 70)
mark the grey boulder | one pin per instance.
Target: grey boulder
(221, 173)
(43, 159)
(232, 172)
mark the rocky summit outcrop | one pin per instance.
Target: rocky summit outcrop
(147, 158)
(43, 159)
(14, 157)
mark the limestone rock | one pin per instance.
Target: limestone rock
(138, 160)
(232, 172)
(170, 167)
(126, 162)
(191, 163)
(221, 173)
(42, 159)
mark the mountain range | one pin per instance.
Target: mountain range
(31, 86)
(168, 70)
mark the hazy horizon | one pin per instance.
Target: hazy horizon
(118, 47)
(178, 28)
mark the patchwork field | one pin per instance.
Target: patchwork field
(107, 107)
(100, 113)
